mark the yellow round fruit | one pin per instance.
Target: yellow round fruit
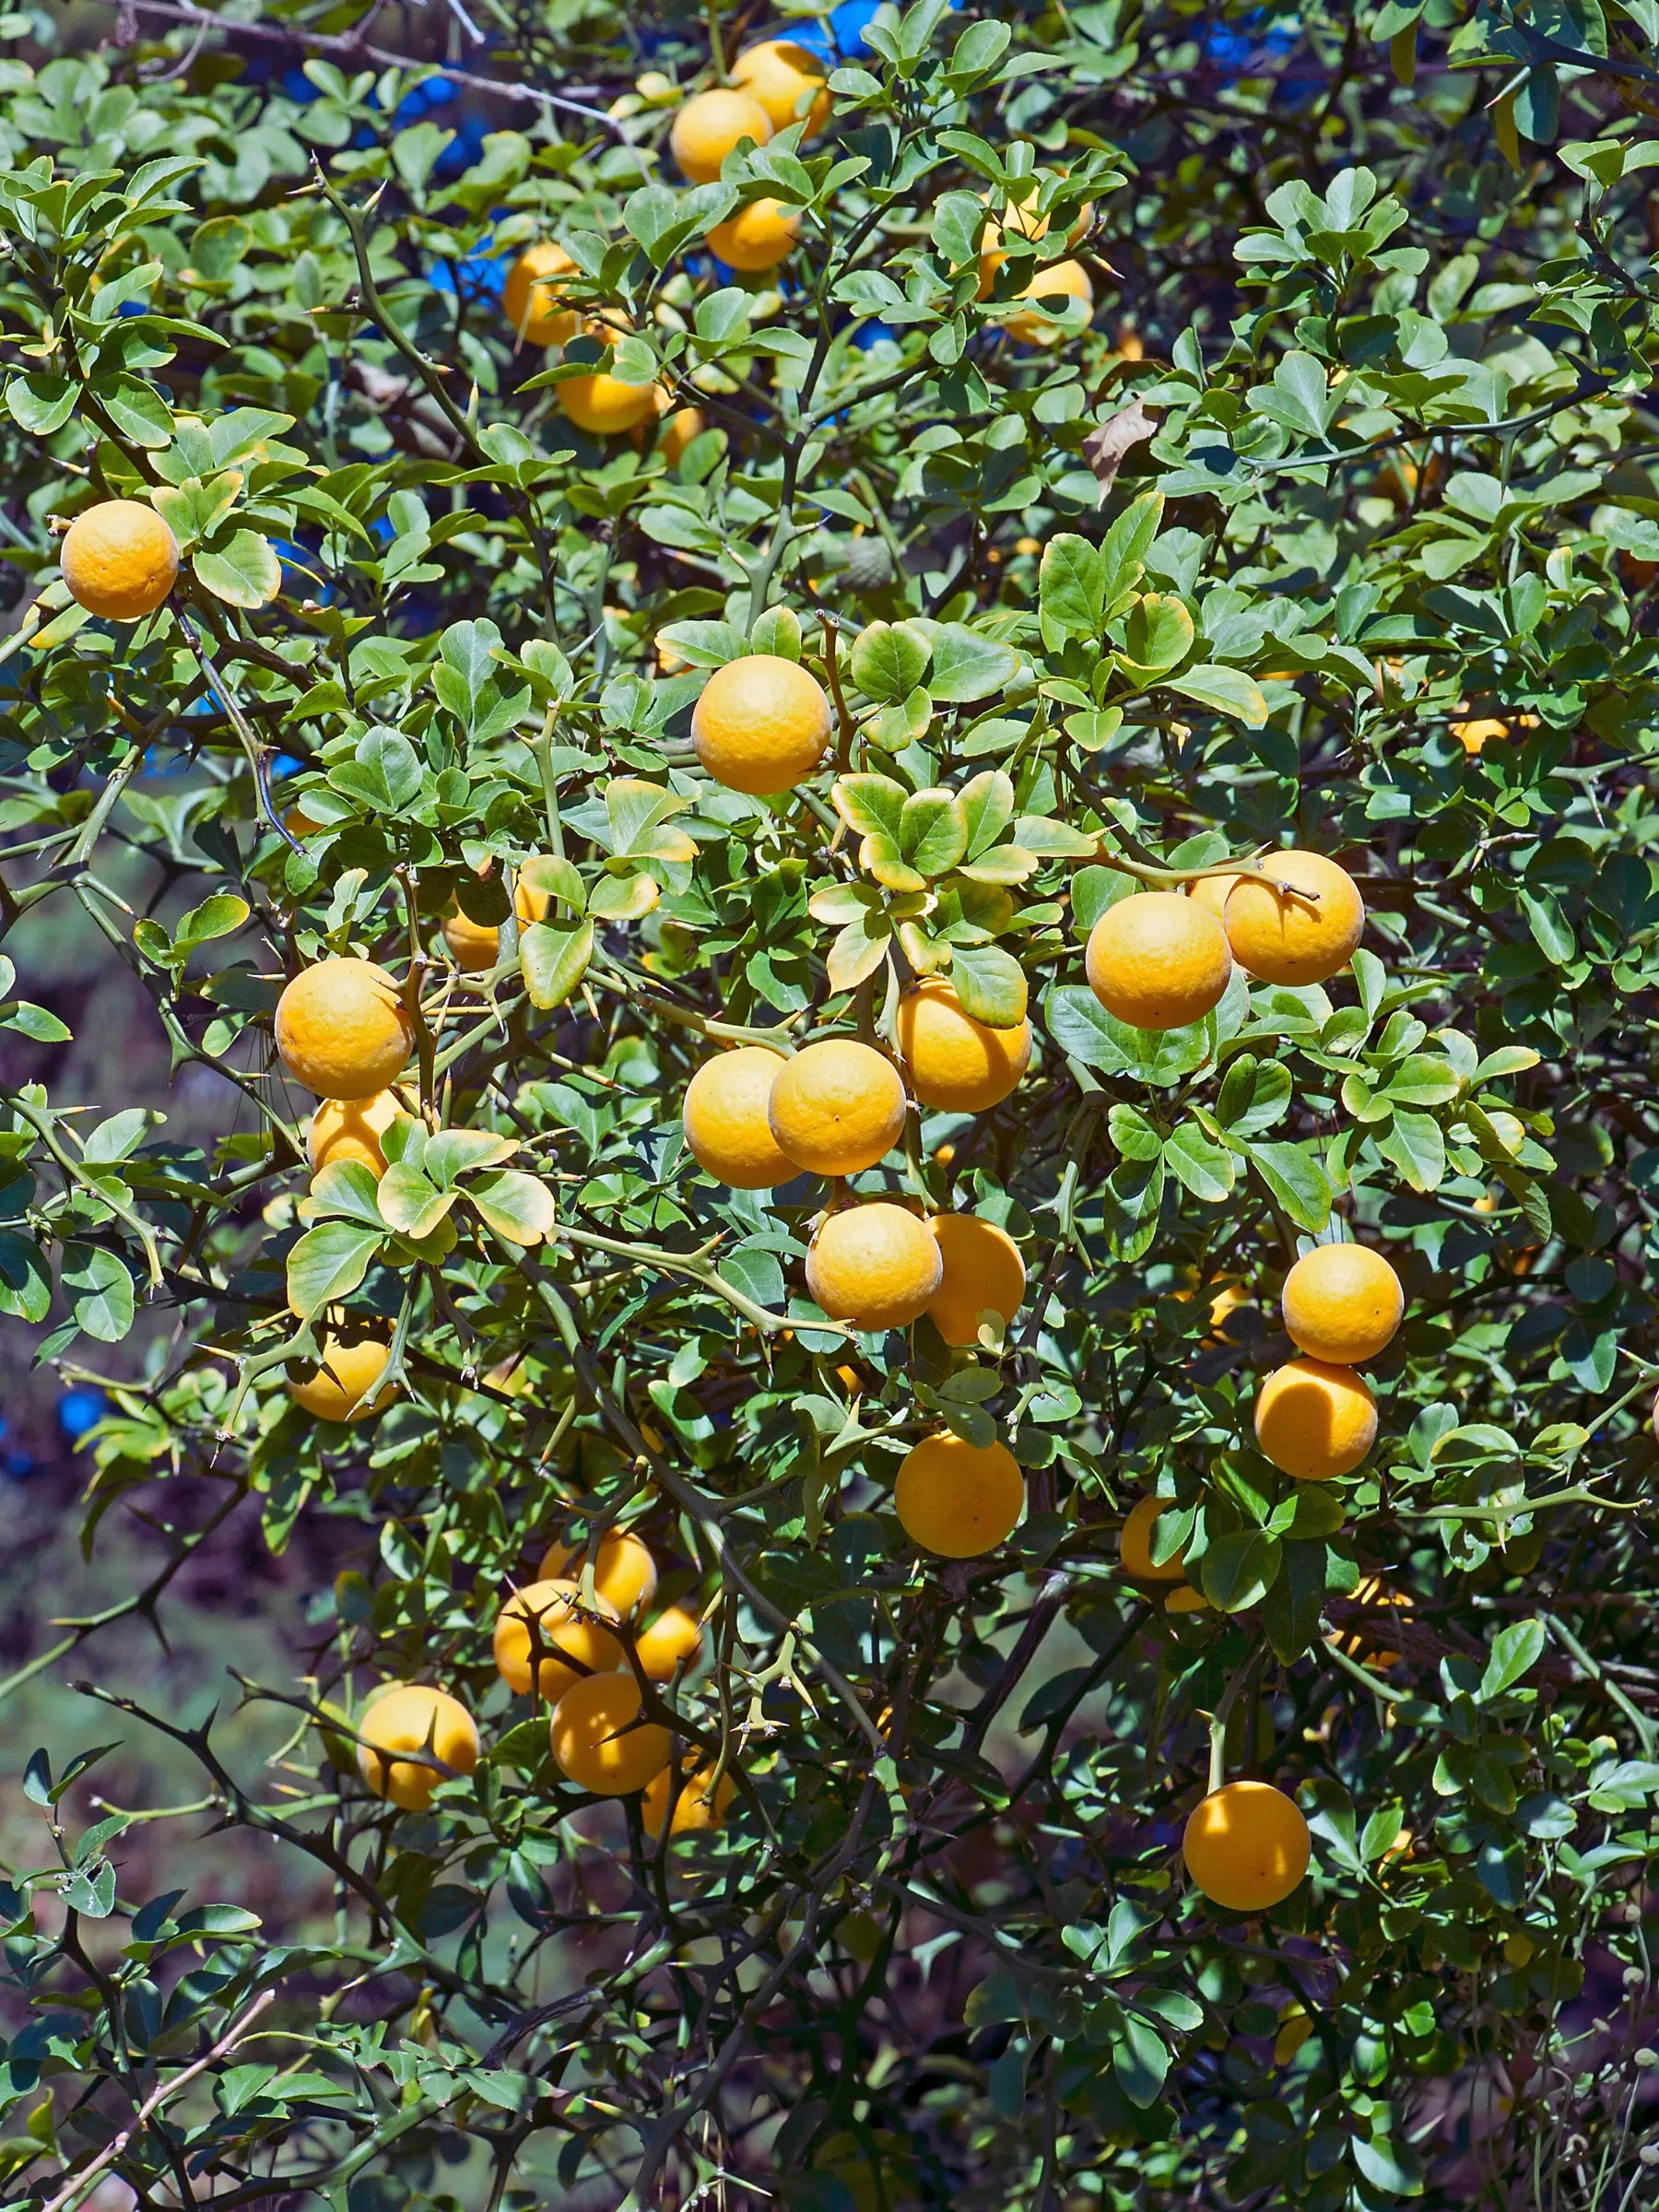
(624, 1574)
(534, 283)
(339, 1386)
(1134, 1545)
(565, 1630)
(837, 1108)
(600, 1741)
(761, 724)
(342, 1029)
(958, 1499)
(407, 1717)
(476, 947)
(1157, 961)
(1186, 1600)
(784, 77)
(876, 1266)
(1246, 1846)
(352, 1129)
(725, 1120)
(1060, 279)
(983, 1272)
(680, 425)
(1475, 736)
(1342, 1303)
(674, 1635)
(1315, 1420)
(1302, 935)
(710, 125)
(119, 559)
(696, 1808)
(602, 404)
(952, 1060)
(758, 237)
(1211, 891)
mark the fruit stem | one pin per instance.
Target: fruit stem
(1145, 871)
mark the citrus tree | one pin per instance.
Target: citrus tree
(897, 768)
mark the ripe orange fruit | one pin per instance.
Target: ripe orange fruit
(1186, 1600)
(624, 1574)
(477, 945)
(958, 1499)
(1211, 891)
(1134, 1545)
(1246, 1846)
(1314, 1420)
(758, 237)
(781, 76)
(696, 1807)
(1285, 938)
(602, 404)
(674, 1635)
(952, 1060)
(351, 1129)
(600, 1741)
(564, 1630)
(533, 283)
(338, 1387)
(677, 431)
(726, 1119)
(837, 1108)
(876, 1266)
(342, 1029)
(982, 1272)
(409, 1717)
(1476, 734)
(119, 559)
(1157, 961)
(761, 724)
(1068, 279)
(1342, 1303)
(709, 126)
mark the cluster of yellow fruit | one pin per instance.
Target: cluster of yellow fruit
(1159, 959)
(555, 1641)
(773, 84)
(754, 1119)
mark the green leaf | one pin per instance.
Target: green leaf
(1295, 1598)
(965, 664)
(1125, 548)
(990, 984)
(889, 660)
(100, 1289)
(1253, 1095)
(778, 630)
(346, 1189)
(873, 806)
(858, 950)
(1157, 636)
(455, 1152)
(241, 569)
(138, 412)
(1071, 590)
(1417, 1145)
(1224, 691)
(704, 644)
(327, 1265)
(25, 1285)
(987, 804)
(933, 831)
(549, 875)
(1515, 1652)
(409, 1205)
(1240, 1569)
(553, 958)
(515, 1205)
(1207, 1170)
(1297, 1182)
(383, 775)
